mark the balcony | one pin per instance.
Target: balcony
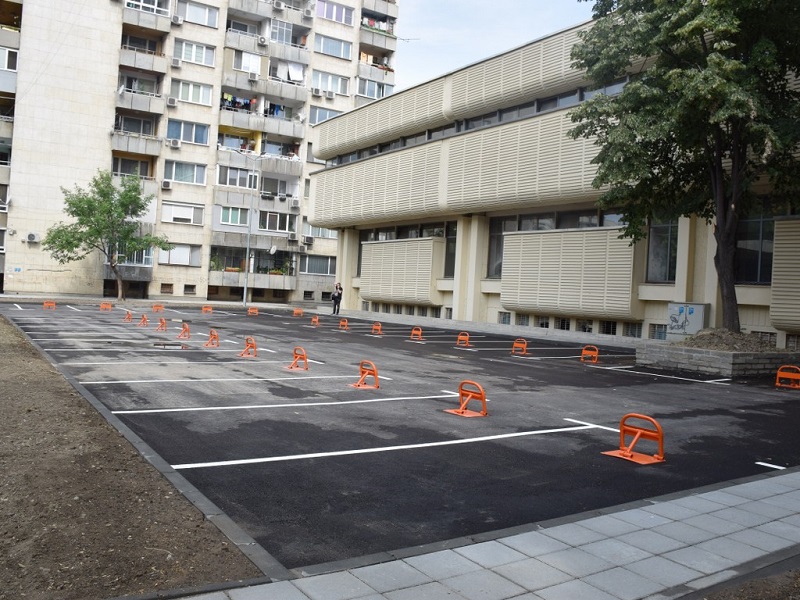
(254, 122)
(247, 42)
(130, 272)
(5, 172)
(375, 72)
(6, 127)
(254, 280)
(375, 39)
(269, 163)
(290, 93)
(290, 53)
(147, 17)
(250, 9)
(136, 143)
(381, 7)
(149, 188)
(141, 101)
(9, 37)
(8, 82)
(143, 60)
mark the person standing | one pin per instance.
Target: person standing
(336, 296)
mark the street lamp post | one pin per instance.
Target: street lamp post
(250, 214)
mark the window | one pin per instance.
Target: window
(281, 32)
(578, 219)
(139, 44)
(159, 7)
(319, 114)
(2, 240)
(450, 236)
(244, 61)
(189, 289)
(335, 12)
(755, 236)
(181, 213)
(194, 53)
(497, 226)
(410, 310)
(632, 330)
(140, 258)
(583, 325)
(137, 125)
(318, 232)
(248, 28)
(332, 47)
(318, 265)
(448, 312)
(422, 311)
(658, 332)
(374, 89)
(201, 14)
(182, 255)
(523, 320)
(562, 323)
(543, 322)
(237, 177)
(184, 172)
(330, 82)
(192, 133)
(537, 222)
(130, 166)
(504, 317)
(308, 294)
(612, 89)
(272, 221)
(139, 84)
(273, 186)
(608, 327)
(231, 215)
(662, 251)
(187, 91)
(166, 288)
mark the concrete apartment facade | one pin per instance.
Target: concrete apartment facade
(210, 103)
(464, 198)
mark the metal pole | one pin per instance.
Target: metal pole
(249, 230)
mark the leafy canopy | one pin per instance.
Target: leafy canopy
(105, 218)
(711, 107)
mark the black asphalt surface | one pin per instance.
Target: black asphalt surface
(318, 471)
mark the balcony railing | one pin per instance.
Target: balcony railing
(148, 6)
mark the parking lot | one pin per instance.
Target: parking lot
(317, 470)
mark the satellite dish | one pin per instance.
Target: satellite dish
(273, 250)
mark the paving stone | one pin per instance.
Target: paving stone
(427, 591)
(642, 518)
(389, 576)
(443, 564)
(732, 549)
(483, 585)
(771, 509)
(756, 490)
(724, 497)
(533, 543)
(282, 590)
(760, 539)
(532, 574)
(623, 584)
(743, 517)
(490, 554)
(783, 529)
(576, 562)
(609, 525)
(714, 524)
(574, 590)
(333, 586)
(701, 505)
(651, 541)
(684, 533)
(664, 571)
(706, 582)
(573, 534)
(671, 510)
(616, 551)
(700, 560)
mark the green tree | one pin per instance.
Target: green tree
(104, 220)
(710, 115)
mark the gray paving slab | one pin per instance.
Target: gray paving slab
(782, 528)
(490, 554)
(334, 586)
(534, 543)
(768, 509)
(574, 590)
(790, 501)
(700, 560)
(671, 510)
(756, 490)
(442, 564)
(616, 551)
(724, 497)
(609, 525)
(483, 585)
(573, 534)
(428, 591)
(699, 504)
(743, 517)
(733, 549)
(651, 541)
(706, 582)
(576, 562)
(643, 519)
(282, 590)
(623, 584)
(532, 574)
(684, 533)
(714, 524)
(664, 571)
(761, 539)
(390, 576)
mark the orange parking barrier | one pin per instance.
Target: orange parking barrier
(299, 354)
(213, 339)
(463, 339)
(788, 377)
(184, 334)
(589, 354)
(469, 390)
(343, 325)
(416, 333)
(105, 306)
(520, 344)
(162, 324)
(207, 309)
(249, 348)
(128, 317)
(158, 308)
(377, 328)
(142, 321)
(367, 368)
(655, 434)
(252, 311)
(48, 305)
(315, 320)
(298, 312)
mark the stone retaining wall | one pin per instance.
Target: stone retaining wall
(713, 362)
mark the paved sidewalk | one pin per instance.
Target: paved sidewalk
(660, 549)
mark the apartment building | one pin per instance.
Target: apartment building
(464, 198)
(210, 103)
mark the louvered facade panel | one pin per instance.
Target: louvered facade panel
(784, 311)
(575, 272)
(402, 271)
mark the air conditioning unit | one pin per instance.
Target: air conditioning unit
(176, 63)
(262, 40)
(316, 92)
(33, 238)
(177, 20)
(174, 143)
(166, 184)
(308, 13)
(308, 240)
(295, 203)
(292, 237)
(278, 5)
(330, 94)
(252, 76)
(172, 102)
(267, 196)
(301, 249)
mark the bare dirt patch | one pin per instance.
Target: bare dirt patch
(82, 515)
(728, 341)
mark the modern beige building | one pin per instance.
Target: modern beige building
(210, 103)
(464, 198)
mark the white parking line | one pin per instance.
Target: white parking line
(215, 379)
(628, 370)
(293, 405)
(271, 459)
(770, 466)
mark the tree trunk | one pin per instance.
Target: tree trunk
(724, 261)
(120, 283)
